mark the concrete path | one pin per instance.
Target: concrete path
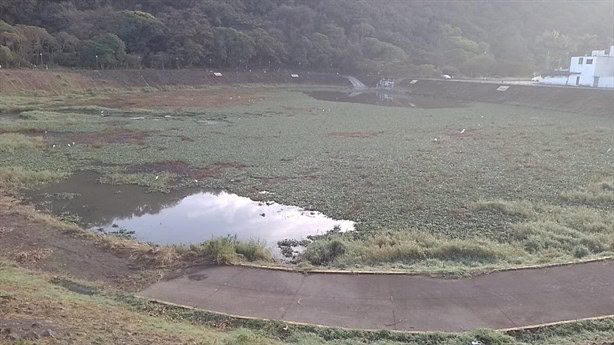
(410, 303)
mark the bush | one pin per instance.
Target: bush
(229, 250)
(581, 251)
(324, 252)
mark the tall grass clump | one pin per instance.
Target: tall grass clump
(18, 177)
(406, 247)
(324, 252)
(11, 142)
(229, 250)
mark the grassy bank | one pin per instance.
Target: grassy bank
(443, 189)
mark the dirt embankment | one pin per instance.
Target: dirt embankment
(68, 80)
(577, 100)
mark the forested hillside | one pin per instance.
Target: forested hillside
(472, 38)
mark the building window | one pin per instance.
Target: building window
(589, 61)
(580, 61)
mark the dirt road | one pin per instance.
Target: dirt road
(410, 303)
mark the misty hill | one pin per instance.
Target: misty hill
(472, 38)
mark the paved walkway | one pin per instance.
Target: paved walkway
(401, 302)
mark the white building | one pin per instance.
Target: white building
(596, 70)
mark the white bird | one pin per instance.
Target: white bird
(53, 145)
(68, 145)
(73, 143)
(157, 177)
(463, 131)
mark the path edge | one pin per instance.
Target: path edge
(470, 274)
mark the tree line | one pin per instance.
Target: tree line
(476, 38)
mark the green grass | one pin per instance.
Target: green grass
(518, 186)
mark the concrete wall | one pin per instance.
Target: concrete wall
(606, 82)
(559, 80)
(568, 99)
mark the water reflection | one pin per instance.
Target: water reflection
(180, 217)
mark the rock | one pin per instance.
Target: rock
(49, 333)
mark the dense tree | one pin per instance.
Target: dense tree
(478, 38)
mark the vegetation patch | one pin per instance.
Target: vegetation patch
(486, 204)
(153, 182)
(18, 177)
(229, 250)
(10, 142)
(178, 168)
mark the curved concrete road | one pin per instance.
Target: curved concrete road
(401, 302)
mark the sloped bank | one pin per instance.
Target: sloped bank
(68, 80)
(568, 99)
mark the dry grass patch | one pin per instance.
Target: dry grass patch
(11, 142)
(596, 192)
(17, 177)
(34, 256)
(11, 206)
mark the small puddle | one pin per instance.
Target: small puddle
(180, 217)
(389, 99)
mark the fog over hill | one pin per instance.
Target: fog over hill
(471, 38)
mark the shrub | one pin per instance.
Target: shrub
(581, 251)
(324, 252)
(229, 250)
